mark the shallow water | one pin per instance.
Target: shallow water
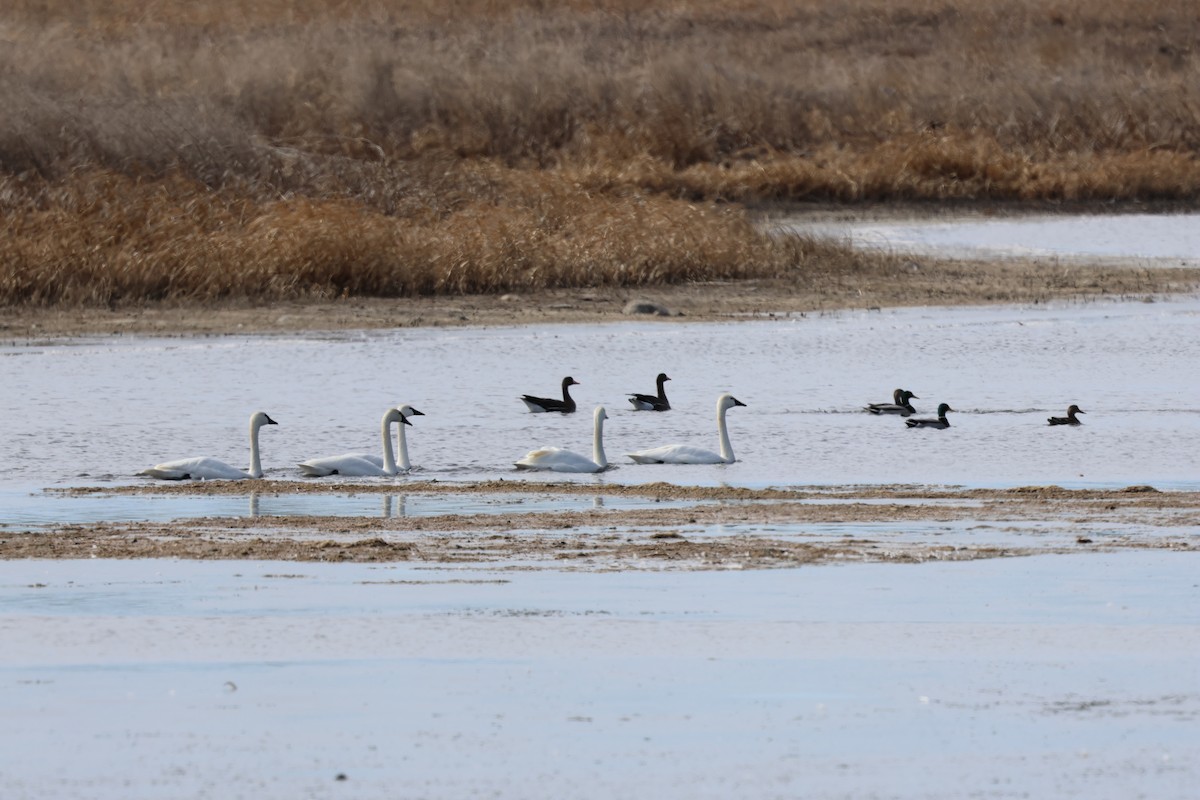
(96, 412)
(1152, 239)
(1059, 676)
(29, 511)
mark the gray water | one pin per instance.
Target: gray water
(30, 510)
(1063, 676)
(1153, 239)
(95, 412)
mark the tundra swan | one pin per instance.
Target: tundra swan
(211, 468)
(686, 454)
(555, 459)
(402, 461)
(360, 465)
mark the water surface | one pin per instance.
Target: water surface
(98, 411)
(1058, 676)
(1151, 239)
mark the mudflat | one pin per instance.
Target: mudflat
(879, 283)
(721, 528)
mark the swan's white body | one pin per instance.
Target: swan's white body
(360, 465)
(402, 462)
(687, 454)
(555, 459)
(213, 469)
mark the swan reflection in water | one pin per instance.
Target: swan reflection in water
(395, 506)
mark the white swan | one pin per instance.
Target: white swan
(686, 454)
(360, 465)
(555, 459)
(402, 463)
(213, 469)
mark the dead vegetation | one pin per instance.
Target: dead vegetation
(303, 149)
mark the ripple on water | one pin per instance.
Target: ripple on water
(804, 382)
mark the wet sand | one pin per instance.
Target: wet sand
(906, 282)
(725, 528)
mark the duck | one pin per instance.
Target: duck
(541, 405)
(900, 404)
(650, 402)
(204, 468)
(940, 422)
(686, 454)
(556, 459)
(1070, 418)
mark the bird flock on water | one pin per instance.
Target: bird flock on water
(393, 460)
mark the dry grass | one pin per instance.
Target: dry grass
(293, 148)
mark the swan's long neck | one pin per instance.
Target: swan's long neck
(255, 461)
(385, 433)
(723, 430)
(598, 442)
(662, 391)
(403, 440)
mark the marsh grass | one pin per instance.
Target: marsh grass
(303, 148)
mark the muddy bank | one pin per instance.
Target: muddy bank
(889, 283)
(744, 529)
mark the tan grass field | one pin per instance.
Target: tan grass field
(216, 153)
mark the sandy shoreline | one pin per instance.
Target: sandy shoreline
(916, 282)
(724, 527)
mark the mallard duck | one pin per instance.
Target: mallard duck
(539, 405)
(940, 422)
(1070, 418)
(649, 402)
(900, 404)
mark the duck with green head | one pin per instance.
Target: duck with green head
(901, 404)
(940, 422)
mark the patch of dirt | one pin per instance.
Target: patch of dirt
(731, 528)
(920, 282)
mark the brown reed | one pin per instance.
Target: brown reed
(307, 148)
